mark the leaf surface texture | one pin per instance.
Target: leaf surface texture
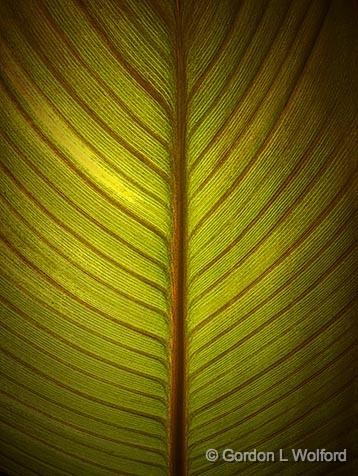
(177, 233)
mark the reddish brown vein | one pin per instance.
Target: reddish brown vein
(117, 54)
(60, 450)
(276, 383)
(177, 430)
(72, 92)
(177, 424)
(328, 366)
(59, 404)
(304, 343)
(83, 269)
(76, 323)
(83, 443)
(66, 363)
(347, 385)
(228, 77)
(256, 352)
(75, 391)
(229, 119)
(229, 32)
(301, 162)
(76, 235)
(92, 72)
(307, 264)
(84, 139)
(82, 175)
(76, 298)
(298, 419)
(167, 20)
(79, 428)
(84, 351)
(326, 211)
(126, 11)
(29, 455)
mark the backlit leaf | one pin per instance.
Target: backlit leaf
(178, 185)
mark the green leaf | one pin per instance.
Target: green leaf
(178, 183)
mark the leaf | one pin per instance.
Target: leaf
(177, 234)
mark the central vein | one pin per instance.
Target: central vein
(177, 436)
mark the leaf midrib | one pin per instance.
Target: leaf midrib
(177, 400)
